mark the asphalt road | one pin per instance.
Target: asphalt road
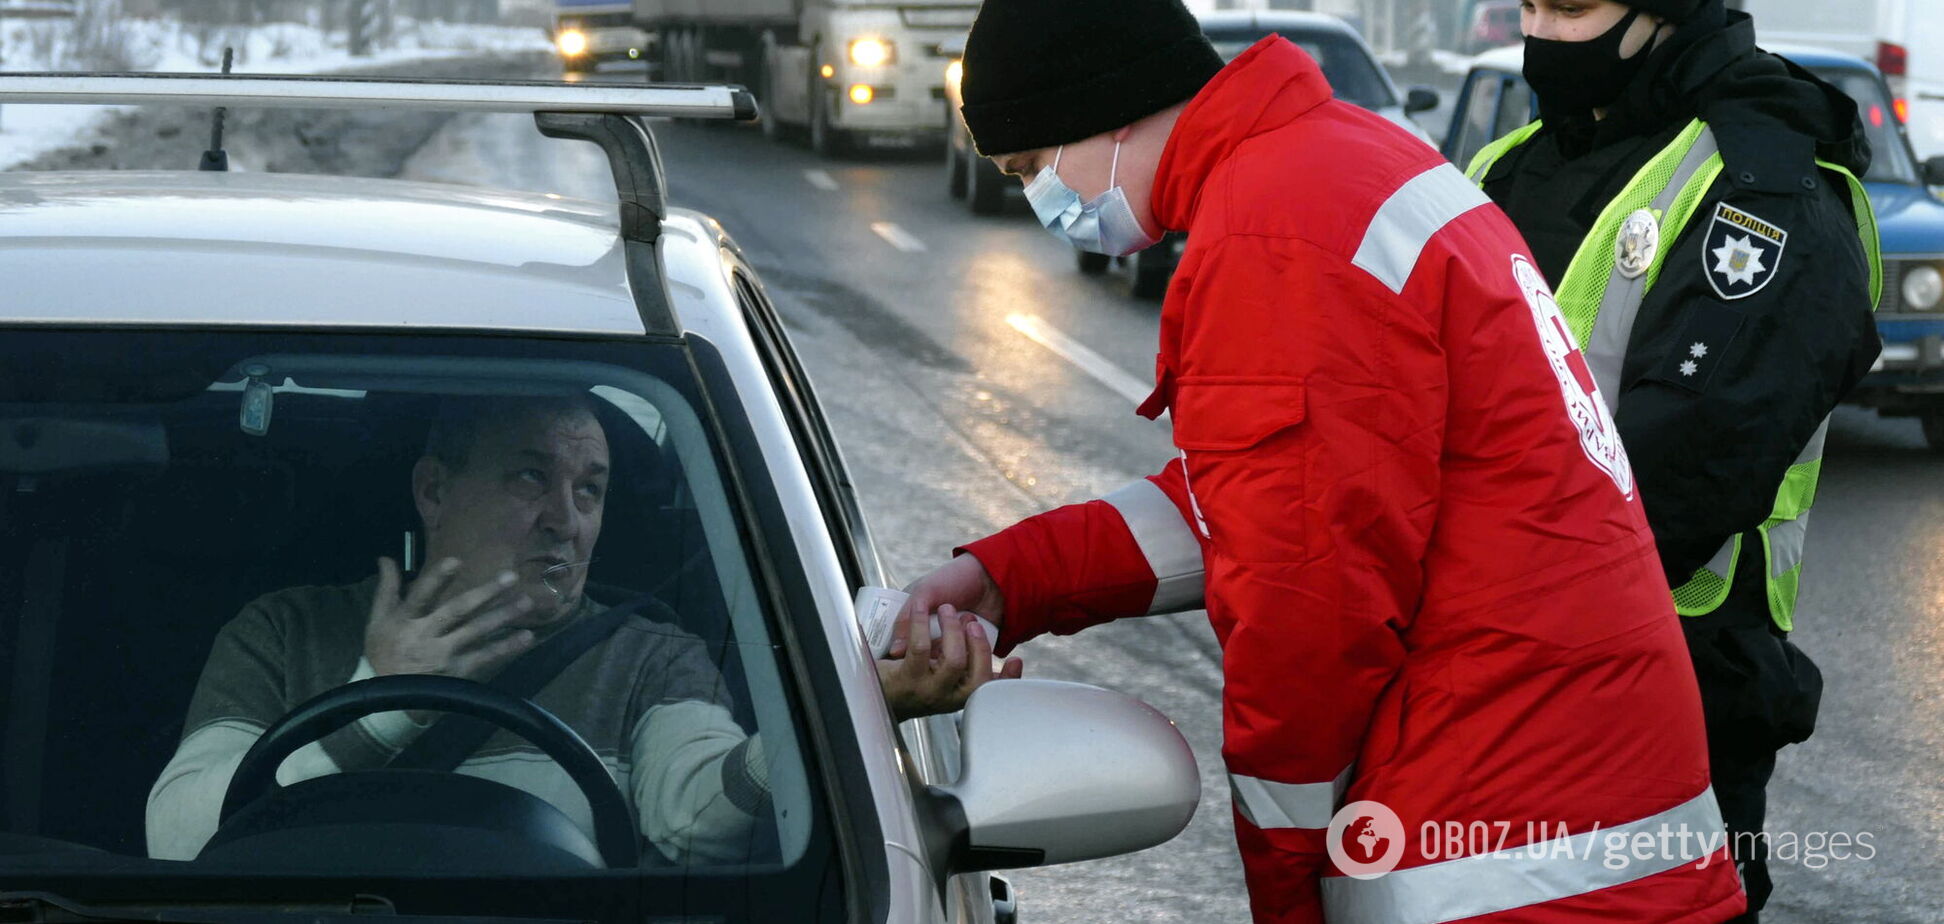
(974, 377)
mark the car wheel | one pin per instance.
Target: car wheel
(825, 139)
(954, 160)
(985, 186)
(1093, 264)
(1934, 430)
(1150, 276)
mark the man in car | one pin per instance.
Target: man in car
(1398, 495)
(511, 493)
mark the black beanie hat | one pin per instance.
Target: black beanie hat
(1670, 10)
(1043, 72)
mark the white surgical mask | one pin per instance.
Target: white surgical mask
(1106, 225)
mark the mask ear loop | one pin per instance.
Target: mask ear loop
(1113, 171)
(1056, 157)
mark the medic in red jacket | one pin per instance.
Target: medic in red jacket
(1405, 508)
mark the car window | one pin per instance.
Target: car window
(190, 529)
(1515, 108)
(1479, 117)
(1353, 75)
(1891, 161)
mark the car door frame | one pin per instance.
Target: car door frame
(931, 744)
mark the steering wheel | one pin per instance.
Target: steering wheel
(255, 801)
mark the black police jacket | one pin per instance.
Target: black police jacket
(1782, 304)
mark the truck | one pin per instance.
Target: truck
(587, 32)
(846, 73)
(1903, 38)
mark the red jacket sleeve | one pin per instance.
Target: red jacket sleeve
(1129, 554)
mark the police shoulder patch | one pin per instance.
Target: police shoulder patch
(1741, 252)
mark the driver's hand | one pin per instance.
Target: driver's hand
(465, 636)
(932, 678)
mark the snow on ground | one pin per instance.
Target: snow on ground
(168, 45)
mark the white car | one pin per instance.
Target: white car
(214, 386)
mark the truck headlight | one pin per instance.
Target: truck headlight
(1923, 288)
(571, 42)
(870, 52)
(955, 74)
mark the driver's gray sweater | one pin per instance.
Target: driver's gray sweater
(647, 699)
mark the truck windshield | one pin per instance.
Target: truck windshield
(200, 532)
(1891, 160)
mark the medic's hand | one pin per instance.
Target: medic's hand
(933, 678)
(961, 583)
(467, 636)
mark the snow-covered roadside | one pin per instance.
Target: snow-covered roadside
(26, 131)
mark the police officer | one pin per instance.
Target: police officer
(1694, 202)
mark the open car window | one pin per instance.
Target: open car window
(190, 525)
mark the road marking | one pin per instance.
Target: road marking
(821, 179)
(898, 237)
(1071, 350)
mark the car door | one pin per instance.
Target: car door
(930, 745)
(1492, 104)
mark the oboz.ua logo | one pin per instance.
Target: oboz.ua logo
(1366, 840)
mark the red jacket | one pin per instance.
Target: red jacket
(1415, 532)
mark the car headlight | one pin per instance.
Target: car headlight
(1923, 288)
(862, 94)
(571, 42)
(955, 74)
(870, 52)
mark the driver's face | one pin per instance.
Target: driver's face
(529, 498)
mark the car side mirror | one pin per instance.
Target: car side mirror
(1420, 99)
(1934, 171)
(1055, 772)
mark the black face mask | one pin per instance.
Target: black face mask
(1576, 77)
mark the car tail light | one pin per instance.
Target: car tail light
(1893, 59)
(1903, 110)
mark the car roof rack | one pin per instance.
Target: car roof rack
(608, 115)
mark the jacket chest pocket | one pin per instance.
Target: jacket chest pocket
(1245, 455)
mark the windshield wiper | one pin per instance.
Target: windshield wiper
(49, 908)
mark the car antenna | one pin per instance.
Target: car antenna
(216, 159)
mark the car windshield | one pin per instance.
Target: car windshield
(1890, 157)
(191, 534)
(1351, 71)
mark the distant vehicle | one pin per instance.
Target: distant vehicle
(249, 424)
(588, 32)
(848, 73)
(1493, 24)
(1908, 380)
(1903, 38)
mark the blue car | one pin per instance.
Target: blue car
(1908, 379)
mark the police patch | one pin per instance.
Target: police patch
(1741, 252)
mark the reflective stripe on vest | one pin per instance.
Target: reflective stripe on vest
(1601, 304)
(1517, 877)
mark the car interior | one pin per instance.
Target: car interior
(140, 530)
